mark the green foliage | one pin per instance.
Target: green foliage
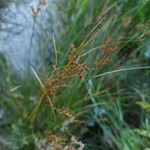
(144, 105)
(144, 133)
(107, 96)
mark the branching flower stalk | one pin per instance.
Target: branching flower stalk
(72, 69)
(36, 10)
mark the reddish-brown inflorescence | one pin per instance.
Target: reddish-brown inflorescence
(73, 68)
(106, 54)
(36, 10)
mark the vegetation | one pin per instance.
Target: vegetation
(93, 93)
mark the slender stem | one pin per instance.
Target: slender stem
(30, 47)
(121, 70)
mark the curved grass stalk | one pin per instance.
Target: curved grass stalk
(55, 49)
(56, 58)
(37, 77)
(88, 97)
(121, 70)
(83, 44)
(88, 107)
(35, 110)
(93, 33)
(31, 44)
(90, 51)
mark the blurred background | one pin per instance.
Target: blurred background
(115, 96)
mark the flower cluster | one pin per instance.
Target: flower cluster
(36, 10)
(106, 55)
(72, 69)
